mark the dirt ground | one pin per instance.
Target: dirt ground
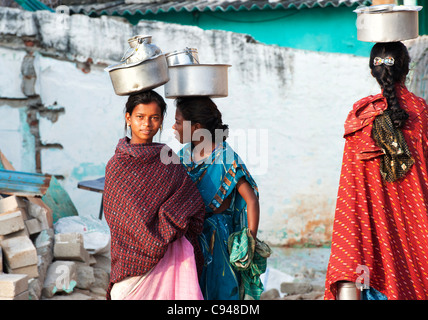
(292, 274)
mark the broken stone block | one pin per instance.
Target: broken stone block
(22, 296)
(34, 289)
(44, 247)
(41, 212)
(12, 203)
(60, 277)
(294, 288)
(12, 285)
(33, 226)
(45, 240)
(102, 279)
(69, 246)
(270, 294)
(43, 265)
(11, 222)
(31, 271)
(19, 252)
(85, 276)
(19, 233)
(103, 262)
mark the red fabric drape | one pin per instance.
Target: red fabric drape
(378, 224)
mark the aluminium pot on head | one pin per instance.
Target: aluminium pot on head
(138, 76)
(387, 23)
(210, 80)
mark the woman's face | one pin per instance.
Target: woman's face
(183, 130)
(145, 121)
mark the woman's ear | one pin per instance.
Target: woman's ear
(161, 124)
(127, 118)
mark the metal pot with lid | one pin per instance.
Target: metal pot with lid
(188, 77)
(143, 67)
(387, 23)
(140, 48)
(182, 57)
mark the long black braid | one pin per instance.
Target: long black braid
(388, 76)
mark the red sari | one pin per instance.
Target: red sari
(378, 224)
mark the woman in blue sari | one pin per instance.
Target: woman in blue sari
(230, 195)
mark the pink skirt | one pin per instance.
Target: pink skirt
(174, 278)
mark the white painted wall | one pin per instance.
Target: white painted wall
(14, 132)
(289, 104)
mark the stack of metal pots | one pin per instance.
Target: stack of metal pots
(142, 67)
(188, 77)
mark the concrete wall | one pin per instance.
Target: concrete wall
(285, 108)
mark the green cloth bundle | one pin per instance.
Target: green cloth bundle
(249, 257)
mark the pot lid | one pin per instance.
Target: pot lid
(383, 8)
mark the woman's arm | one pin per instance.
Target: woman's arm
(253, 207)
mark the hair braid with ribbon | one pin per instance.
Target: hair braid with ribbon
(389, 63)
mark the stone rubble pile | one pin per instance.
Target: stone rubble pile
(295, 291)
(37, 264)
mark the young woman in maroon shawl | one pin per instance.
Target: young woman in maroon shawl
(154, 212)
(380, 233)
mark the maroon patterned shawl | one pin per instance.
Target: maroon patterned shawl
(147, 205)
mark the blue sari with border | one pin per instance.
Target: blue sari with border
(216, 178)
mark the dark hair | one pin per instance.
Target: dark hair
(204, 111)
(144, 97)
(389, 76)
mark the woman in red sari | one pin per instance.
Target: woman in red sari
(380, 233)
(154, 211)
